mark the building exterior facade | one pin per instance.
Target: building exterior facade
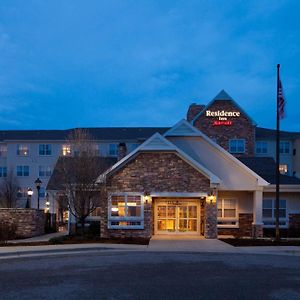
(210, 174)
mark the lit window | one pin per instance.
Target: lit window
(3, 151)
(66, 150)
(45, 171)
(45, 149)
(227, 213)
(237, 146)
(3, 172)
(96, 212)
(22, 150)
(261, 147)
(284, 147)
(22, 171)
(269, 212)
(22, 193)
(283, 169)
(126, 211)
(113, 149)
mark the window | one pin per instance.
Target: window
(45, 149)
(45, 171)
(133, 147)
(227, 213)
(261, 147)
(237, 146)
(22, 150)
(42, 192)
(3, 151)
(22, 193)
(126, 211)
(284, 147)
(3, 172)
(269, 212)
(66, 150)
(96, 212)
(22, 170)
(113, 149)
(283, 169)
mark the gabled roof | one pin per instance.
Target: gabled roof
(182, 128)
(197, 132)
(222, 95)
(158, 143)
(266, 133)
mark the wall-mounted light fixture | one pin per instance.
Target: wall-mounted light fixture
(147, 198)
(211, 198)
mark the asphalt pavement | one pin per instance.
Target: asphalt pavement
(150, 275)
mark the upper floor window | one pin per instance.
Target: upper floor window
(227, 212)
(3, 171)
(45, 149)
(261, 147)
(66, 150)
(42, 192)
(22, 150)
(237, 146)
(3, 150)
(283, 169)
(284, 147)
(133, 147)
(45, 171)
(269, 212)
(22, 170)
(22, 193)
(113, 149)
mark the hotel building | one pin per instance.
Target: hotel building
(211, 173)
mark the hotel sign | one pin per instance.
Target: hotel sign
(223, 117)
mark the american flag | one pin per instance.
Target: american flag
(280, 100)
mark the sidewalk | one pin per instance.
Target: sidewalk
(41, 238)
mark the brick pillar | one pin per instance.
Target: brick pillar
(210, 226)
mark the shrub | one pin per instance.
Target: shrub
(58, 240)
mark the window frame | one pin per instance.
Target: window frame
(67, 148)
(3, 150)
(22, 168)
(115, 153)
(20, 150)
(273, 218)
(228, 219)
(3, 171)
(43, 151)
(284, 148)
(44, 171)
(236, 146)
(261, 148)
(125, 218)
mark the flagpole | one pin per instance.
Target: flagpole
(277, 236)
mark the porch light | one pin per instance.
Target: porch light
(147, 198)
(211, 198)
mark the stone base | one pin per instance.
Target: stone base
(257, 231)
(210, 226)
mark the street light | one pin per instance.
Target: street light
(38, 184)
(29, 194)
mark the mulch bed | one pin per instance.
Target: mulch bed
(67, 240)
(238, 242)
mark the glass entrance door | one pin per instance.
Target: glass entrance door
(177, 217)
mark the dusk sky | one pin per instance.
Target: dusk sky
(67, 64)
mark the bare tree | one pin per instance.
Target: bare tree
(79, 174)
(8, 190)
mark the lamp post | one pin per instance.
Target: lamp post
(29, 194)
(38, 184)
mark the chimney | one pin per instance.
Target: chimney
(193, 110)
(122, 150)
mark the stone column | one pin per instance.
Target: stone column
(257, 225)
(210, 221)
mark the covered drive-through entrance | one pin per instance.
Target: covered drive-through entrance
(177, 216)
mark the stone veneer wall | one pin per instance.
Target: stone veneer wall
(151, 172)
(242, 127)
(244, 230)
(29, 222)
